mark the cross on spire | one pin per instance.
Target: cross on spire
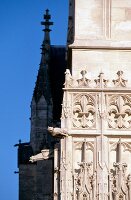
(46, 21)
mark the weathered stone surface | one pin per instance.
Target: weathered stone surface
(97, 103)
(91, 157)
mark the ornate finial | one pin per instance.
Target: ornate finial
(47, 22)
(83, 81)
(120, 82)
(101, 82)
(83, 73)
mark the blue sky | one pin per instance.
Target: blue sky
(20, 39)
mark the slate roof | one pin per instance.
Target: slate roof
(57, 76)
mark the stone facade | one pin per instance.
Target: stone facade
(95, 157)
(91, 154)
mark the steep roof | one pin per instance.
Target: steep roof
(57, 70)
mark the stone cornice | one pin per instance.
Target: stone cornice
(100, 44)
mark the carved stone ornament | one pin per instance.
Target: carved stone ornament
(44, 155)
(84, 179)
(83, 182)
(101, 82)
(120, 82)
(90, 145)
(84, 111)
(119, 113)
(66, 109)
(58, 132)
(120, 183)
(83, 82)
(126, 146)
(68, 79)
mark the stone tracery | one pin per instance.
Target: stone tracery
(84, 111)
(119, 111)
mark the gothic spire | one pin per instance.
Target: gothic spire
(47, 25)
(42, 84)
(46, 42)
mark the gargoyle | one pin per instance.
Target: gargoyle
(45, 154)
(58, 132)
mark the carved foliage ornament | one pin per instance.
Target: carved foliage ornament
(83, 82)
(83, 182)
(120, 82)
(119, 113)
(101, 82)
(126, 146)
(84, 111)
(119, 180)
(90, 145)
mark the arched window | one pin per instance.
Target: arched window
(85, 197)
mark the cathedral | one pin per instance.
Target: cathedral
(80, 137)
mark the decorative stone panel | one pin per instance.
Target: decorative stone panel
(84, 114)
(119, 111)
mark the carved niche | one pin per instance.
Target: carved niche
(120, 182)
(119, 111)
(84, 179)
(83, 182)
(84, 115)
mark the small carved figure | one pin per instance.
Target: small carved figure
(58, 132)
(68, 79)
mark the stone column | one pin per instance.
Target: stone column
(102, 167)
(69, 175)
